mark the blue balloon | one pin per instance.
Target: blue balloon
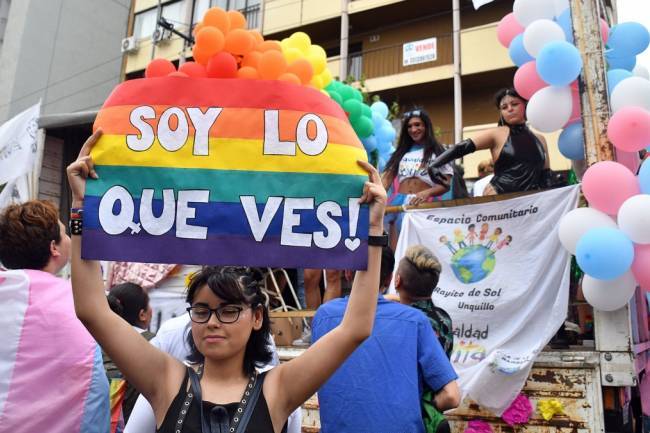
(384, 147)
(564, 20)
(605, 253)
(615, 62)
(369, 143)
(559, 63)
(381, 108)
(381, 164)
(615, 76)
(644, 175)
(377, 119)
(517, 52)
(571, 142)
(628, 39)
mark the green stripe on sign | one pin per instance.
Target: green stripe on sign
(228, 185)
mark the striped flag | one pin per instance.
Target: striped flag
(239, 172)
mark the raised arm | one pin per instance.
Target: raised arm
(484, 140)
(143, 365)
(299, 379)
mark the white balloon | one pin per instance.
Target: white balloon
(560, 6)
(641, 71)
(578, 222)
(549, 109)
(631, 92)
(527, 11)
(634, 218)
(541, 32)
(609, 295)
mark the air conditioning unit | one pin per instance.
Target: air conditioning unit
(161, 35)
(129, 45)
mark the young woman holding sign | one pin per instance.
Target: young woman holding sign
(221, 392)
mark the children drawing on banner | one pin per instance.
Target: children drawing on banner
(229, 329)
(490, 242)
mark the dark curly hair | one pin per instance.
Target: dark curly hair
(237, 285)
(26, 231)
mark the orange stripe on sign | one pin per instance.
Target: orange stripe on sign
(242, 123)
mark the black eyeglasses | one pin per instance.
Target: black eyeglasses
(413, 113)
(224, 313)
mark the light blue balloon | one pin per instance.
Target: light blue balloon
(387, 131)
(518, 53)
(381, 108)
(605, 253)
(564, 20)
(628, 39)
(377, 120)
(644, 176)
(559, 63)
(615, 62)
(615, 76)
(571, 142)
(369, 143)
(381, 164)
(384, 147)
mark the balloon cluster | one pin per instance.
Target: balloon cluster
(613, 253)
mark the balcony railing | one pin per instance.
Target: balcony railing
(252, 14)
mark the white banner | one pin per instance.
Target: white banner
(16, 191)
(416, 52)
(18, 144)
(504, 282)
(479, 3)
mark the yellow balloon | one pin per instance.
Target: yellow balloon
(326, 76)
(317, 58)
(292, 54)
(318, 51)
(301, 40)
(285, 44)
(317, 82)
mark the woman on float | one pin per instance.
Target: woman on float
(229, 332)
(521, 161)
(406, 170)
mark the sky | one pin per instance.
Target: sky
(639, 11)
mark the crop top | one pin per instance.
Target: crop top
(411, 166)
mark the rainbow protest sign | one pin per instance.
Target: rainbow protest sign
(225, 171)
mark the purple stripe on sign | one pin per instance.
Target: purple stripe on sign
(220, 250)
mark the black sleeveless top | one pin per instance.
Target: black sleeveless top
(260, 421)
(521, 162)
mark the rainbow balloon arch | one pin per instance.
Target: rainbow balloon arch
(224, 48)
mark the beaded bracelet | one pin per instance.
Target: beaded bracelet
(76, 221)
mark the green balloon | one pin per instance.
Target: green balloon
(346, 92)
(331, 87)
(353, 108)
(357, 95)
(363, 127)
(335, 96)
(366, 111)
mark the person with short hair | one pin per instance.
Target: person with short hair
(379, 388)
(485, 175)
(418, 274)
(51, 374)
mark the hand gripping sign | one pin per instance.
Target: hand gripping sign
(225, 171)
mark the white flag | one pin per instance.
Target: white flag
(18, 144)
(479, 3)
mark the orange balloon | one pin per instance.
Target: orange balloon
(197, 27)
(252, 59)
(239, 41)
(159, 68)
(272, 65)
(237, 20)
(290, 78)
(193, 69)
(222, 65)
(178, 74)
(269, 46)
(210, 39)
(302, 69)
(248, 73)
(257, 36)
(217, 17)
(201, 55)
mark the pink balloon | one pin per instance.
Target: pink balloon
(629, 129)
(641, 265)
(607, 184)
(604, 30)
(629, 159)
(527, 81)
(507, 29)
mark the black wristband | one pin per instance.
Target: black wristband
(76, 221)
(378, 241)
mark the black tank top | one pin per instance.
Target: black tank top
(521, 162)
(260, 421)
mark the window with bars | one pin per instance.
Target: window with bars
(250, 8)
(145, 21)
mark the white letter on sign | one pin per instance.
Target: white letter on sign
(291, 220)
(184, 212)
(307, 145)
(272, 143)
(324, 213)
(145, 140)
(117, 224)
(162, 224)
(169, 139)
(258, 225)
(202, 123)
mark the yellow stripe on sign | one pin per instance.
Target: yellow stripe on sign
(230, 154)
